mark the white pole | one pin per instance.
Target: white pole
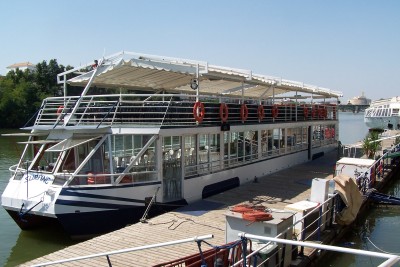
(84, 92)
(391, 258)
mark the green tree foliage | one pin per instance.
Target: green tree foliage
(370, 144)
(22, 92)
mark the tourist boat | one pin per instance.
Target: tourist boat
(383, 114)
(147, 134)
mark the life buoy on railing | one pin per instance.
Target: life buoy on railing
(244, 112)
(314, 112)
(223, 112)
(327, 133)
(199, 111)
(260, 112)
(274, 111)
(91, 179)
(59, 110)
(321, 113)
(305, 111)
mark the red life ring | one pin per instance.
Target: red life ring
(305, 111)
(314, 112)
(320, 113)
(244, 112)
(260, 112)
(199, 111)
(327, 133)
(59, 110)
(274, 111)
(223, 112)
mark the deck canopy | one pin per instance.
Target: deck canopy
(156, 74)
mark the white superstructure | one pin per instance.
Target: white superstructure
(383, 114)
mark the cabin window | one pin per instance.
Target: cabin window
(264, 142)
(45, 161)
(234, 147)
(251, 145)
(304, 139)
(172, 170)
(190, 150)
(277, 140)
(317, 136)
(208, 152)
(132, 163)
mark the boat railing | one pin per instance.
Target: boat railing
(171, 110)
(367, 179)
(389, 259)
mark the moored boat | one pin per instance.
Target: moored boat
(383, 114)
(165, 132)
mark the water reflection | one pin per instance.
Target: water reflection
(375, 231)
(37, 243)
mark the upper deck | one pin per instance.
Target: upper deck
(169, 111)
(163, 92)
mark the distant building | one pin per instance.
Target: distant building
(22, 66)
(359, 100)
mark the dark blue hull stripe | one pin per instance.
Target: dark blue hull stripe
(94, 204)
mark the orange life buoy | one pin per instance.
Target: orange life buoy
(244, 112)
(223, 112)
(59, 110)
(327, 133)
(198, 111)
(260, 112)
(320, 113)
(274, 111)
(305, 111)
(91, 178)
(314, 112)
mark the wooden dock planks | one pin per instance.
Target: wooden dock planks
(273, 191)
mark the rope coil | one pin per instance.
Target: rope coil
(252, 213)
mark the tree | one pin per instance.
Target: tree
(22, 92)
(370, 144)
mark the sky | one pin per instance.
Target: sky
(348, 46)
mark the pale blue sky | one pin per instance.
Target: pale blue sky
(350, 46)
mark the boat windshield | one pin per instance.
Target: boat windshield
(108, 160)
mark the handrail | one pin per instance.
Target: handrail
(108, 253)
(391, 259)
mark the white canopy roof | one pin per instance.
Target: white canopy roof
(155, 73)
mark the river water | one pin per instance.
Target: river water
(18, 246)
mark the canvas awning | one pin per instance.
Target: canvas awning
(155, 73)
